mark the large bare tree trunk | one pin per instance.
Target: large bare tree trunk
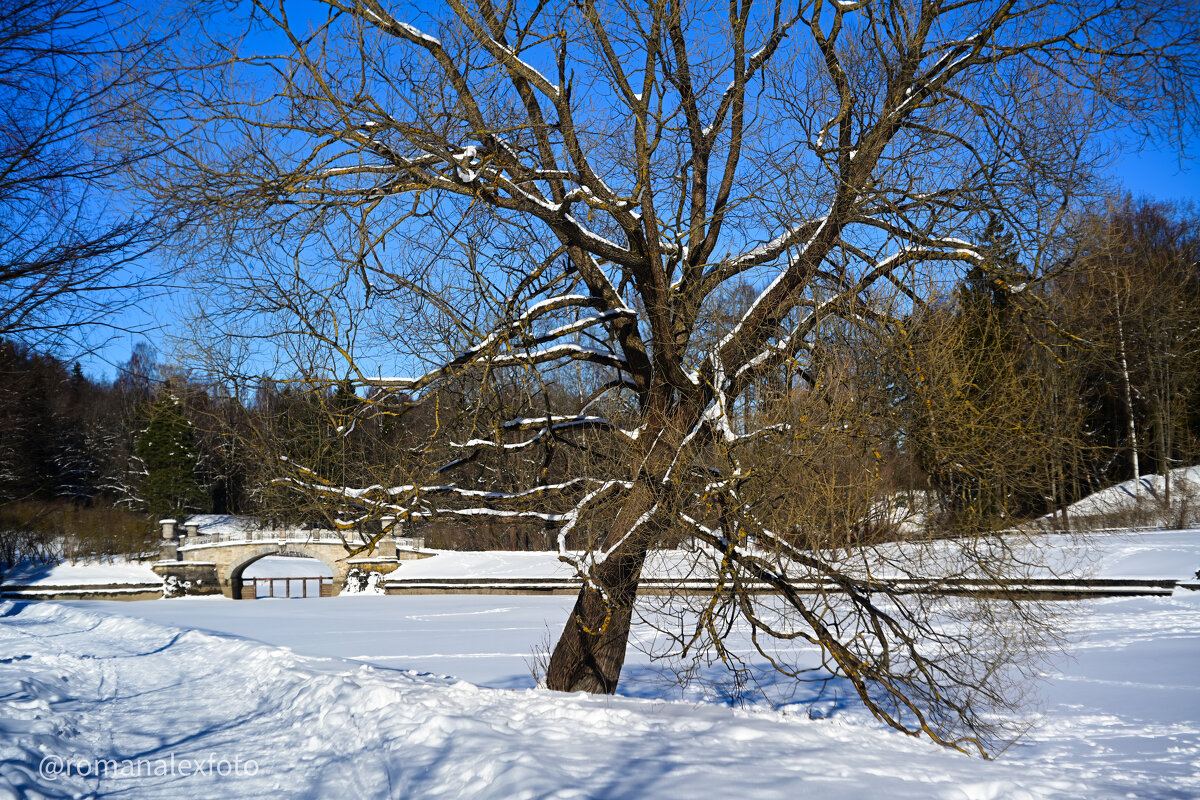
(591, 650)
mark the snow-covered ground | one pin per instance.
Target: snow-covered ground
(493, 564)
(1143, 554)
(433, 696)
(118, 570)
(332, 699)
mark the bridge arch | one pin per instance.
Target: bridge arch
(233, 573)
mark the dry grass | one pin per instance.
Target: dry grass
(41, 531)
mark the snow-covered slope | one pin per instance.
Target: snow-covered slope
(90, 687)
(1145, 500)
(118, 570)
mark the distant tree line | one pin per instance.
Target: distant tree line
(1075, 381)
(87, 467)
(1082, 378)
(1133, 299)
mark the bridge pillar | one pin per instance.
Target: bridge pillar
(184, 578)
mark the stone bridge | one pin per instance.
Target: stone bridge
(203, 562)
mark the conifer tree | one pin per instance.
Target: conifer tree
(167, 450)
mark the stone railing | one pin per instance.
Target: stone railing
(266, 536)
(191, 535)
(172, 539)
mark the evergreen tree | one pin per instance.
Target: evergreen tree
(167, 451)
(75, 457)
(975, 401)
(30, 386)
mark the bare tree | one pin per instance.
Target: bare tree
(1131, 297)
(552, 208)
(70, 71)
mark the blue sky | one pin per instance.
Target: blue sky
(1156, 172)
(1159, 173)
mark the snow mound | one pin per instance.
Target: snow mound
(1144, 502)
(451, 564)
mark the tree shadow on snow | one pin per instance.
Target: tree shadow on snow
(818, 695)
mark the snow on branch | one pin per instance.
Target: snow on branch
(771, 250)
(640, 522)
(383, 494)
(549, 425)
(576, 352)
(515, 65)
(622, 382)
(572, 517)
(413, 501)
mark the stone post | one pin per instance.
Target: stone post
(168, 549)
(386, 547)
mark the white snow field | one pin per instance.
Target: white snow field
(1171, 554)
(341, 698)
(287, 567)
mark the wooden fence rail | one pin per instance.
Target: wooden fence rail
(250, 586)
